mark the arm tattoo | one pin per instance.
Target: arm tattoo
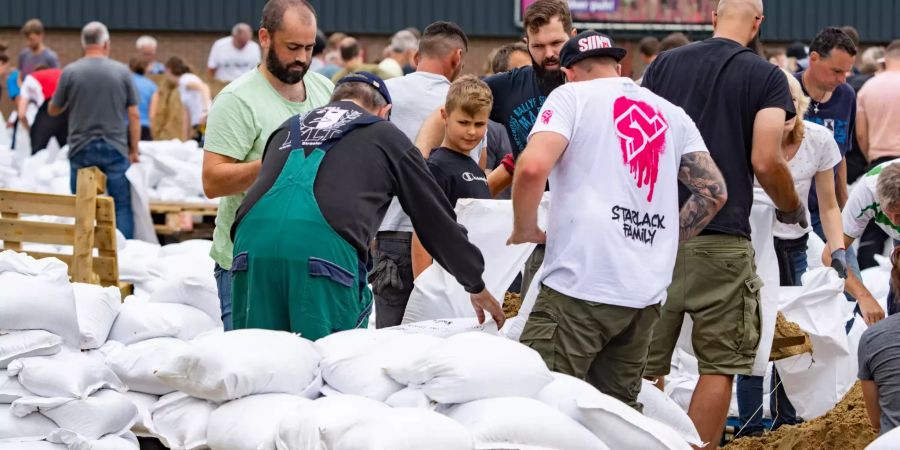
(702, 177)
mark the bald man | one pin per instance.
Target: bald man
(740, 103)
(352, 58)
(234, 55)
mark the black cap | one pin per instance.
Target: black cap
(589, 44)
(797, 50)
(370, 79)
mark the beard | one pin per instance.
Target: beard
(284, 72)
(548, 79)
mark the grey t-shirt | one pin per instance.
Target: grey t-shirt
(96, 93)
(879, 361)
(28, 60)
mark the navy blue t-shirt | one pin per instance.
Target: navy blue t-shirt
(518, 97)
(838, 114)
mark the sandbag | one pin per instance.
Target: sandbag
(136, 363)
(36, 445)
(17, 429)
(762, 222)
(657, 405)
(250, 422)
(887, 441)
(11, 390)
(177, 265)
(200, 247)
(138, 175)
(105, 412)
(353, 362)
(135, 259)
(25, 343)
(513, 327)
(473, 366)
(66, 374)
(73, 441)
(97, 308)
(320, 424)
(615, 423)
(180, 421)
(37, 295)
(448, 327)
(143, 425)
(410, 397)
(407, 429)
(197, 290)
(140, 320)
(228, 366)
(522, 423)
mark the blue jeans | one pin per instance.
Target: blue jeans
(749, 398)
(223, 283)
(113, 164)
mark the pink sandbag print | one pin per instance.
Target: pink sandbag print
(642, 136)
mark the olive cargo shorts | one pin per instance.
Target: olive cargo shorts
(606, 345)
(715, 282)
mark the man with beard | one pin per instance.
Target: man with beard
(248, 110)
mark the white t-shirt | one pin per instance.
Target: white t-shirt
(192, 99)
(864, 205)
(31, 90)
(230, 62)
(415, 97)
(613, 224)
(818, 152)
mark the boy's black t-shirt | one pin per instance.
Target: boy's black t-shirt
(722, 85)
(457, 175)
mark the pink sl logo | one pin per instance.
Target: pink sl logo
(642, 137)
(546, 115)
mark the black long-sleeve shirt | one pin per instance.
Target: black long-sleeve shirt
(356, 181)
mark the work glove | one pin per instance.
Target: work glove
(385, 274)
(797, 216)
(839, 262)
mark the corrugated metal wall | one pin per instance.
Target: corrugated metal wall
(786, 20)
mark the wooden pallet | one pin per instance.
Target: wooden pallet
(94, 228)
(174, 218)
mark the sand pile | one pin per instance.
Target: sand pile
(846, 427)
(511, 304)
(785, 329)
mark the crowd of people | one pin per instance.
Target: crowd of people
(335, 174)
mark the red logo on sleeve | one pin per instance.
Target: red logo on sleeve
(642, 137)
(545, 117)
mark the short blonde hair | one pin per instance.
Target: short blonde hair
(469, 94)
(802, 105)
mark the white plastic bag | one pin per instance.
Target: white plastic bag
(887, 441)
(66, 374)
(448, 327)
(25, 343)
(410, 397)
(135, 364)
(34, 445)
(228, 366)
(97, 308)
(614, 422)
(522, 423)
(11, 390)
(472, 366)
(143, 426)
(37, 296)
(73, 441)
(657, 405)
(105, 412)
(181, 421)
(140, 320)
(762, 222)
(19, 429)
(250, 422)
(194, 289)
(407, 429)
(138, 176)
(320, 424)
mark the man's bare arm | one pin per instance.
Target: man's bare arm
(702, 177)
(769, 165)
(223, 175)
(873, 408)
(840, 184)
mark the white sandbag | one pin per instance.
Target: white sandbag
(615, 423)
(11, 390)
(437, 294)
(105, 412)
(228, 366)
(320, 424)
(200, 247)
(180, 421)
(74, 441)
(818, 381)
(410, 398)
(762, 222)
(198, 290)
(25, 343)
(522, 423)
(408, 429)
(472, 366)
(448, 327)
(37, 296)
(18, 429)
(136, 363)
(167, 267)
(134, 260)
(140, 320)
(353, 362)
(97, 308)
(658, 406)
(65, 374)
(887, 441)
(877, 279)
(250, 422)
(35, 445)
(143, 425)
(513, 327)
(138, 175)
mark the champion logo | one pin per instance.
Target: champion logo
(641, 130)
(468, 176)
(546, 116)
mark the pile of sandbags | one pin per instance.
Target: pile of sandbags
(173, 170)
